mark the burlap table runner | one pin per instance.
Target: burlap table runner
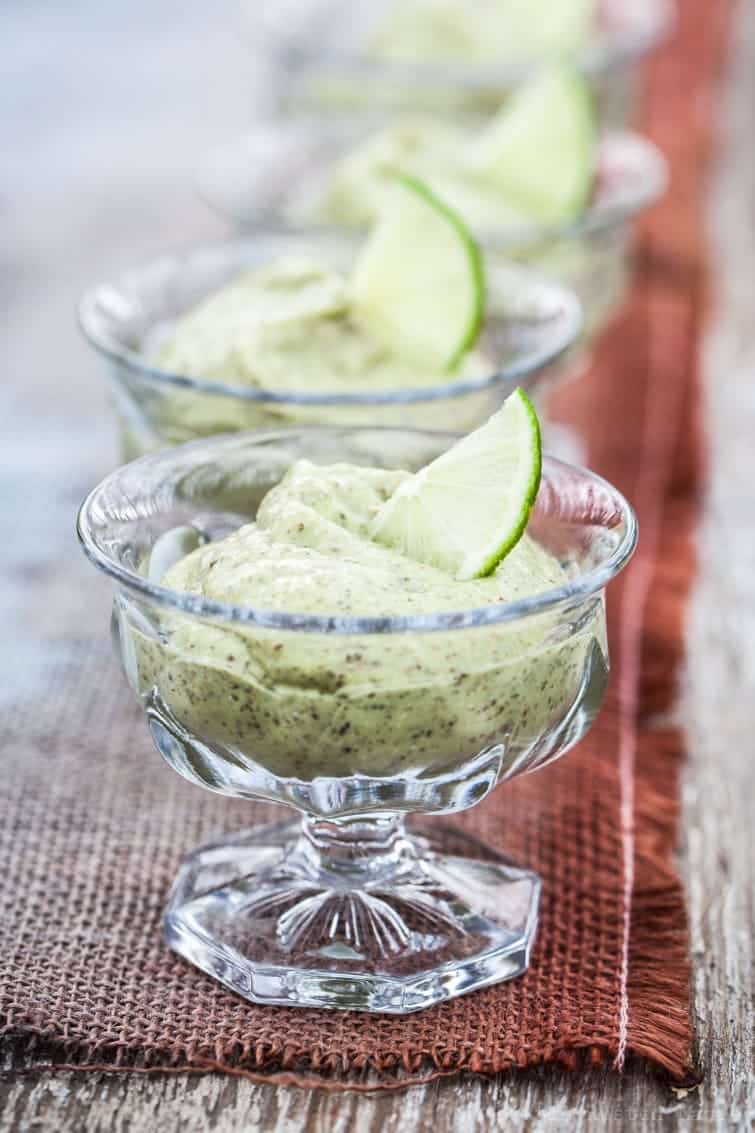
(94, 824)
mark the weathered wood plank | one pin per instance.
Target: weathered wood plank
(718, 707)
(719, 697)
(549, 1103)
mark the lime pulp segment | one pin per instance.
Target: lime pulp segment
(418, 284)
(466, 510)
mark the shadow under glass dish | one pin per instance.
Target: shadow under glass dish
(355, 723)
(530, 322)
(324, 60)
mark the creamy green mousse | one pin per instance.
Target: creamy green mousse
(480, 31)
(289, 328)
(307, 705)
(427, 44)
(427, 148)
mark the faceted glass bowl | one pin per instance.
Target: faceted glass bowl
(275, 174)
(530, 322)
(355, 722)
(322, 60)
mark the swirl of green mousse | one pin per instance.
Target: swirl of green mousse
(308, 705)
(289, 327)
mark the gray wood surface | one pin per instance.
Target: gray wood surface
(109, 106)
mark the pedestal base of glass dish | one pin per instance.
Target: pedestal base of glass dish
(354, 915)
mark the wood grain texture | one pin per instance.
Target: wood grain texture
(717, 706)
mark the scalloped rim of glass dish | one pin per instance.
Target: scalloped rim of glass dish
(633, 169)
(590, 582)
(643, 26)
(531, 362)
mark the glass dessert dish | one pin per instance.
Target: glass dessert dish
(279, 175)
(353, 721)
(328, 56)
(530, 322)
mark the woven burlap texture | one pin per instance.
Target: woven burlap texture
(94, 824)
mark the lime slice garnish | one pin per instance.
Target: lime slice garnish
(418, 284)
(466, 510)
(539, 150)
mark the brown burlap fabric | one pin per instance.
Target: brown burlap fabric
(94, 824)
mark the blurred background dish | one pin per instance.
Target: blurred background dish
(448, 55)
(530, 322)
(277, 174)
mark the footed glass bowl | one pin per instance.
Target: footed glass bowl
(353, 722)
(530, 323)
(275, 176)
(324, 59)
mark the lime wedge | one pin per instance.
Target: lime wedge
(418, 283)
(466, 510)
(539, 150)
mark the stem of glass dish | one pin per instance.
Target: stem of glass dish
(354, 852)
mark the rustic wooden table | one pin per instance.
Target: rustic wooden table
(106, 108)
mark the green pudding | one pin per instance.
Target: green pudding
(477, 31)
(532, 164)
(450, 56)
(289, 328)
(427, 148)
(307, 705)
